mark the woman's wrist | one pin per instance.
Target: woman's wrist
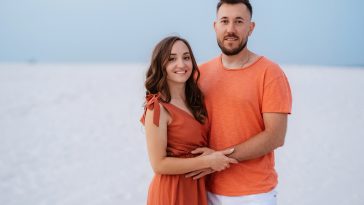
(207, 161)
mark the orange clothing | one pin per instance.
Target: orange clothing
(235, 101)
(184, 134)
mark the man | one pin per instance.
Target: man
(248, 99)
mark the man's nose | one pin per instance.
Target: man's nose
(231, 28)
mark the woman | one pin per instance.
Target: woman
(174, 121)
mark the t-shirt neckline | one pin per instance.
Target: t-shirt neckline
(237, 69)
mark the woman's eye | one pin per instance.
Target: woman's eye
(171, 59)
(187, 57)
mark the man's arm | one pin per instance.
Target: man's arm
(264, 142)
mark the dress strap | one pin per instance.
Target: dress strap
(152, 103)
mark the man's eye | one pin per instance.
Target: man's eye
(224, 22)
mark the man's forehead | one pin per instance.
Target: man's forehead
(231, 17)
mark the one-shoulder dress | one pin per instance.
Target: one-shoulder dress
(184, 134)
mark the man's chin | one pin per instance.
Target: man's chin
(230, 52)
(230, 49)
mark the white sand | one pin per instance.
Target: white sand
(70, 134)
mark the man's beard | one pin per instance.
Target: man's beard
(234, 51)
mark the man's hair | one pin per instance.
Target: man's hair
(245, 2)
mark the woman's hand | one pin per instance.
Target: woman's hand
(218, 160)
(203, 151)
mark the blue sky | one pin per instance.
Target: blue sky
(107, 31)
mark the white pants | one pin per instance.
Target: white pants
(269, 198)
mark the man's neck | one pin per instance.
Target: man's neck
(240, 60)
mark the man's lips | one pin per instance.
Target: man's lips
(231, 38)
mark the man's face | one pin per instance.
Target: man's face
(233, 27)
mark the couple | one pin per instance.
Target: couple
(222, 120)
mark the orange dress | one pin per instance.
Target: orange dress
(184, 134)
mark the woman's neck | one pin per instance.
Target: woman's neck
(177, 92)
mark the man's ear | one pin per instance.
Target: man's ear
(251, 27)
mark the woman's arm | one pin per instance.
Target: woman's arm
(157, 146)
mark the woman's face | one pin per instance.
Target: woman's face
(179, 66)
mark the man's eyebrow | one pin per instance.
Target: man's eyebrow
(240, 18)
(236, 18)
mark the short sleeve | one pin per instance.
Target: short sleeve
(277, 95)
(152, 103)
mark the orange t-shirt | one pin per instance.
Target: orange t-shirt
(236, 100)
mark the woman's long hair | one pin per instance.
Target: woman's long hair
(156, 77)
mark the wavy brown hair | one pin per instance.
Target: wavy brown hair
(156, 77)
